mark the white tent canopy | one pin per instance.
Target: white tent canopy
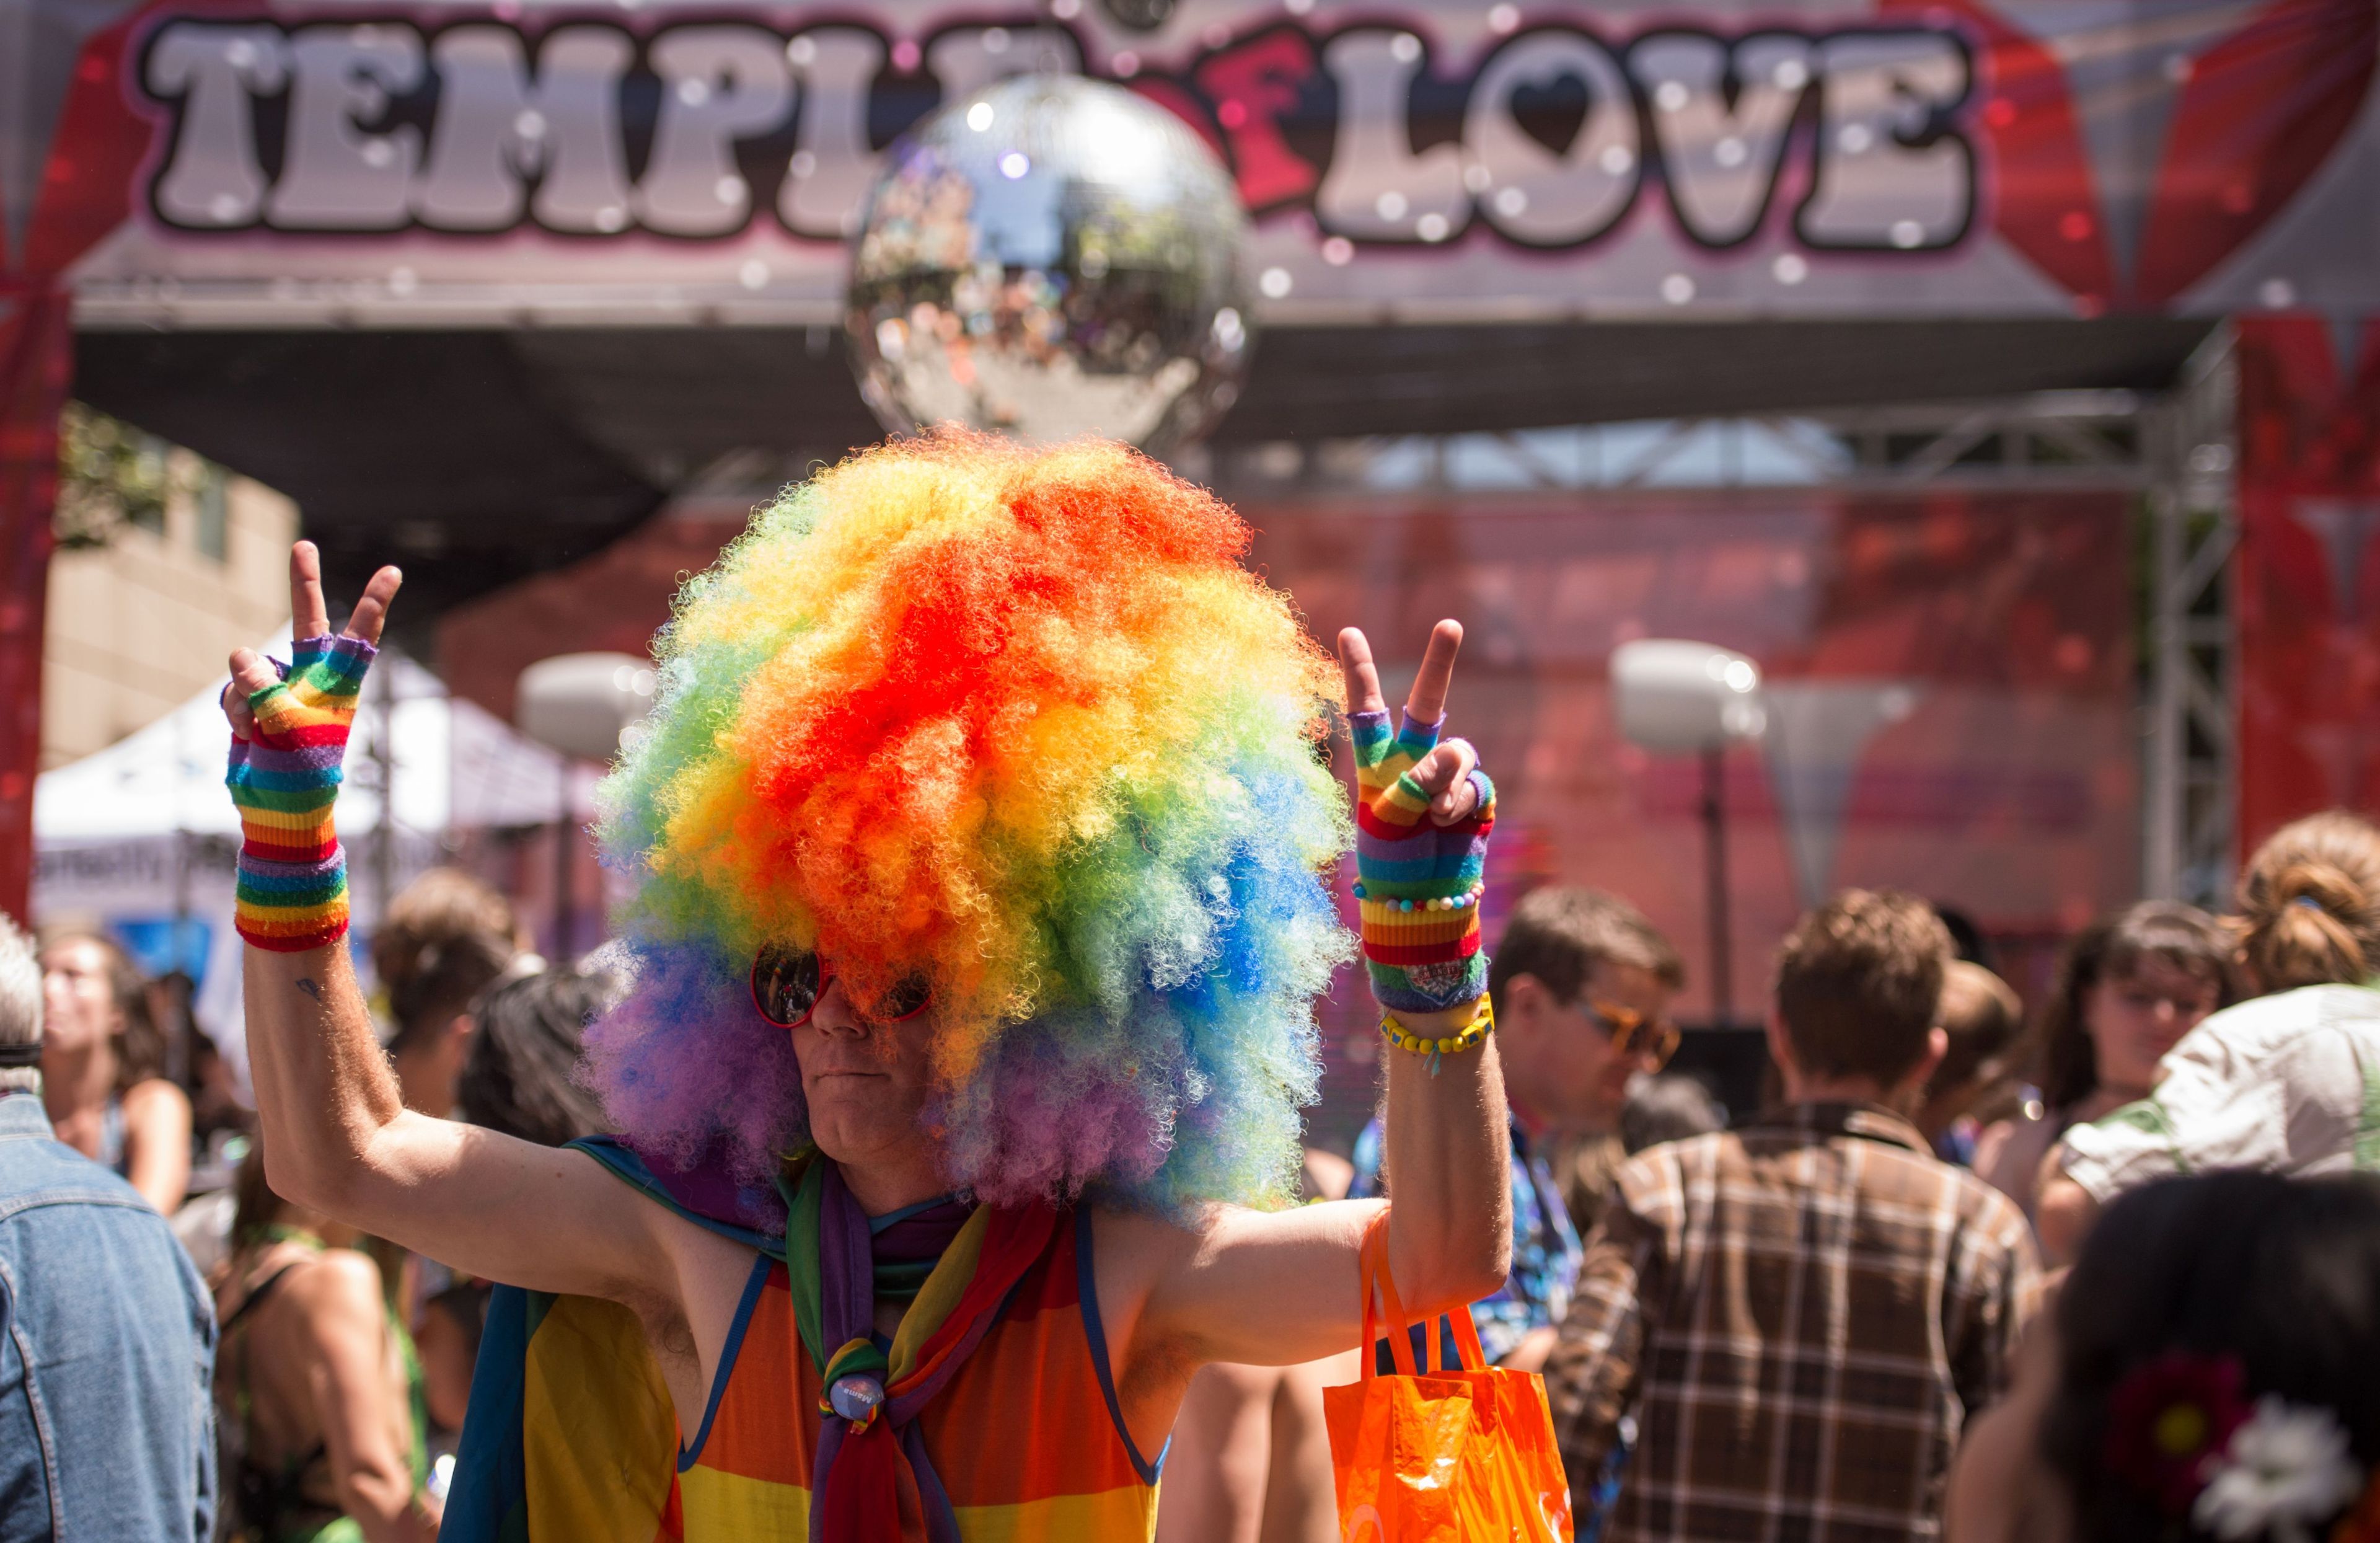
(451, 765)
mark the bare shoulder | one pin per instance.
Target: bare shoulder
(154, 1098)
(340, 1283)
(1132, 1250)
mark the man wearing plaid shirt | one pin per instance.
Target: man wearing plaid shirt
(1799, 1315)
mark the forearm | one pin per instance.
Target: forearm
(323, 1088)
(1448, 1157)
(385, 1506)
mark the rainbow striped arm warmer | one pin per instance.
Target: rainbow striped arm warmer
(1417, 884)
(293, 872)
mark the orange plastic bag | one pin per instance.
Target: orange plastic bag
(1466, 1455)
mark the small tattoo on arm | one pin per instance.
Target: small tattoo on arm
(309, 987)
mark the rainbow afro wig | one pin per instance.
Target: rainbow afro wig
(1017, 722)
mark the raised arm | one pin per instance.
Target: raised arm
(1275, 1289)
(337, 1137)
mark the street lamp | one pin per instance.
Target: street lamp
(578, 704)
(1675, 697)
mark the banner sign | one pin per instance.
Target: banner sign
(2307, 577)
(239, 164)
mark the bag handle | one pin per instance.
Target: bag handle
(1378, 1285)
(1374, 1264)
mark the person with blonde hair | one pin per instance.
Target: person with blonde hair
(2287, 1083)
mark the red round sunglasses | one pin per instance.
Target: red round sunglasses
(788, 983)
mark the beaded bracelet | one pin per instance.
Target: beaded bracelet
(1474, 1032)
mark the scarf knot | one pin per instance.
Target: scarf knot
(952, 1266)
(854, 1384)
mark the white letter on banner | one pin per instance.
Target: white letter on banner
(832, 164)
(496, 128)
(1533, 191)
(212, 178)
(337, 176)
(1722, 162)
(965, 59)
(1378, 187)
(719, 84)
(1892, 171)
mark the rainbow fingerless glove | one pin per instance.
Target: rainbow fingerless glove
(293, 873)
(1417, 884)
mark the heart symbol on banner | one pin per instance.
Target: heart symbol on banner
(1551, 114)
(2262, 110)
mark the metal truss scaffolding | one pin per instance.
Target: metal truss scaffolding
(2189, 755)
(2175, 449)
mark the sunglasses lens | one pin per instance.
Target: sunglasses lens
(905, 1000)
(785, 984)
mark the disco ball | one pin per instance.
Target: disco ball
(1051, 257)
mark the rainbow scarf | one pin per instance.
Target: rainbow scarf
(867, 1429)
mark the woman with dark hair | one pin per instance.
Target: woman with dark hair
(519, 1074)
(2207, 1375)
(103, 1068)
(2128, 988)
(319, 1402)
(2288, 1083)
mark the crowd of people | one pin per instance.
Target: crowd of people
(1815, 1316)
(1796, 1325)
(949, 1193)
(334, 1367)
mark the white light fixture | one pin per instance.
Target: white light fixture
(1674, 695)
(579, 703)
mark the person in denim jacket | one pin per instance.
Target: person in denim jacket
(107, 1338)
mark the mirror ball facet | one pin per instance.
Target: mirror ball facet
(1050, 257)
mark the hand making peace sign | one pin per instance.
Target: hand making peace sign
(290, 736)
(1423, 813)
(308, 618)
(1445, 772)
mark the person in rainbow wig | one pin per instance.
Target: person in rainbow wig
(979, 840)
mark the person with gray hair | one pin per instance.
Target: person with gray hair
(107, 1336)
(21, 1012)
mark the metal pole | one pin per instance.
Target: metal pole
(565, 919)
(1714, 878)
(384, 755)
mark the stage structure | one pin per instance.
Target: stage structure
(481, 285)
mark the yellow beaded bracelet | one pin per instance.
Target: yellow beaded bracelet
(1481, 1024)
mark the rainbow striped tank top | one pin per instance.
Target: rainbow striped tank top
(1029, 1438)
